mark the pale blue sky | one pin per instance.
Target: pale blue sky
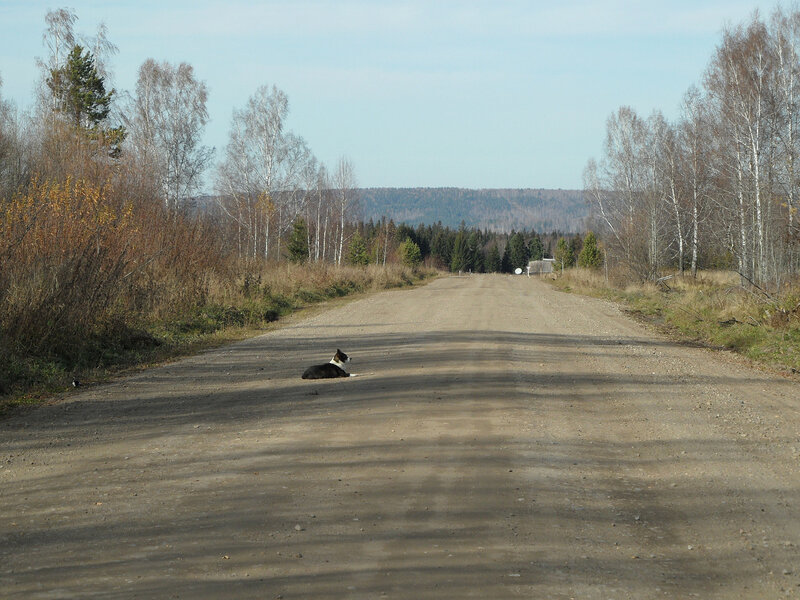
(490, 94)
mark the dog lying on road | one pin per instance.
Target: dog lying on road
(334, 368)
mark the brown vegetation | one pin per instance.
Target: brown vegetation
(711, 309)
(103, 261)
(95, 277)
(717, 188)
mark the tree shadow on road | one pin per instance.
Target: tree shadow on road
(238, 479)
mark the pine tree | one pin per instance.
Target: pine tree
(80, 95)
(79, 90)
(505, 263)
(563, 255)
(518, 252)
(458, 260)
(494, 263)
(590, 256)
(298, 242)
(357, 251)
(535, 249)
(410, 253)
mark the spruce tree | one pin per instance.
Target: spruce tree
(442, 246)
(505, 263)
(535, 248)
(590, 256)
(458, 260)
(518, 252)
(563, 255)
(474, 253)
(357, 251)
(494, 263)
(410, 253)
(298, 242)
(576, 245)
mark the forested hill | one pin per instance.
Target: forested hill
(497, 210)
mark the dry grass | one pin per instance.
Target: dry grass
(94, 278)
(712, 309)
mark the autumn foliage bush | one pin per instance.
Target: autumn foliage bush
(84, 268)
(96, 272)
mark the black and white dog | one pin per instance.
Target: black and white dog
(330, 370)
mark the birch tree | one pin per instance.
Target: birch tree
(245, 179)
(14, 159)
(58, 39)
(166, 123)
(786, 33)
(696, 156)
(738, 83)
(344, 180)
(671, 179)
(725, 176)
(617, 188)
(261, 180)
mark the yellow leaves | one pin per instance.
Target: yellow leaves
(265, 203)
(60, 218)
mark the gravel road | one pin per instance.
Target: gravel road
(501, 440)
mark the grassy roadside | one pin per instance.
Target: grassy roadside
(712, 310)
(232, 313)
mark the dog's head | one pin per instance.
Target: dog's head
(341, 357)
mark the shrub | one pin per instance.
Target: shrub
(590, 256)
(410, 254)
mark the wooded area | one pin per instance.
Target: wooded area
(99, 246)
(719, 186)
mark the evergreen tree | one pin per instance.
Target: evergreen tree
(423, 240)
(357, 251)
(458, 261)
(298, 242)
(442, 246)
(590, 256)
(404, 232)
(473, 253)
(79, 90)
(494, 263)
(563, 255)
(576, 245)
(505, 263)
(81, 96)
(518, 252)
(410, 253)
(535, 248)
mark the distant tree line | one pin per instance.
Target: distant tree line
(720, 186)
(462, 249)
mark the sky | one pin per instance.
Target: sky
(417, 93)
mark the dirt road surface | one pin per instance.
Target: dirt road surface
(502, 440)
